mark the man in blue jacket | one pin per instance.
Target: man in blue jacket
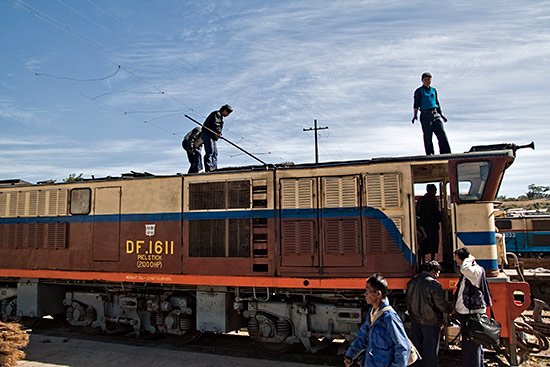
(382, 336)
(431, 117)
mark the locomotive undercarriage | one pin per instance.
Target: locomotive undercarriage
(164, 313)
(313, 324)
(274, 320)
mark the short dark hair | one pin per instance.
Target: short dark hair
(431, 187)
(378, 282)
(227, 108)
(462, 253)
(433, 266)
(426, 75)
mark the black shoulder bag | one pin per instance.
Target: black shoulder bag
(482, 329)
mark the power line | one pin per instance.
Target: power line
(79, 80)
(98, 47)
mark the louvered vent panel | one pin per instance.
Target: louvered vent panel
(57, 202)
(3, 235)
(10, 237)
(297, 193)
(340, 192)
(62, 202)
(33, 203)
(375, 237)
(374, 190)
(239, 237)
(55, 236)
(207, 238)
(31, 234)
(19, 233)
(392, 197)
(398, 221)
(40, 235)
(22, 204)
(12, 211)
(52, 202)
(298, 238)
(42, 203)
(383, 191)
(3, 204)
(342, 237)
(238, 193)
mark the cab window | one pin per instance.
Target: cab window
(472, 177)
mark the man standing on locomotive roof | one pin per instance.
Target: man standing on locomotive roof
(192, 144)
(431, 117)
(211, 132)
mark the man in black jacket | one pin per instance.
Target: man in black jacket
(429, 217)
(192, 144)
(211, 132)
(427, 305)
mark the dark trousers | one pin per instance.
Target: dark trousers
(426, 340)
(432, 123)
(210, 152)
(195, 161)
(472, 353)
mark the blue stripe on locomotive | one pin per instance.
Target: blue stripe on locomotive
(368, 212)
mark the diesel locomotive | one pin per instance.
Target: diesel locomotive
(282, 251)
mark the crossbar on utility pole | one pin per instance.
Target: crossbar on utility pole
(315, 128)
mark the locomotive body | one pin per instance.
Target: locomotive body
(282, 251)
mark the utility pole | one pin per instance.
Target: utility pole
(315, 128)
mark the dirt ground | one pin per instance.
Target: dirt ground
(47, 351)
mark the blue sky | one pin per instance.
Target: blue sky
(66, 106)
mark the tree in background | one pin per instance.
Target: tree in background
(537, 192)
(73, 178)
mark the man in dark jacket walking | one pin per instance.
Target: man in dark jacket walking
(211, 132)
(427, 305)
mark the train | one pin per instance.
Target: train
(526, 235)
(281, 251)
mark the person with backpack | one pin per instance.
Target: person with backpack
(192, 144)
(471, 299)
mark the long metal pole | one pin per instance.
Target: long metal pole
(221, 137)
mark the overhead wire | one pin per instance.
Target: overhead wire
(98, 48)
(79, 80)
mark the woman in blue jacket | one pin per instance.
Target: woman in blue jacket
(382, 336)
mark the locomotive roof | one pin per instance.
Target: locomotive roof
(289, 165)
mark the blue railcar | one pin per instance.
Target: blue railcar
(526, 235)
